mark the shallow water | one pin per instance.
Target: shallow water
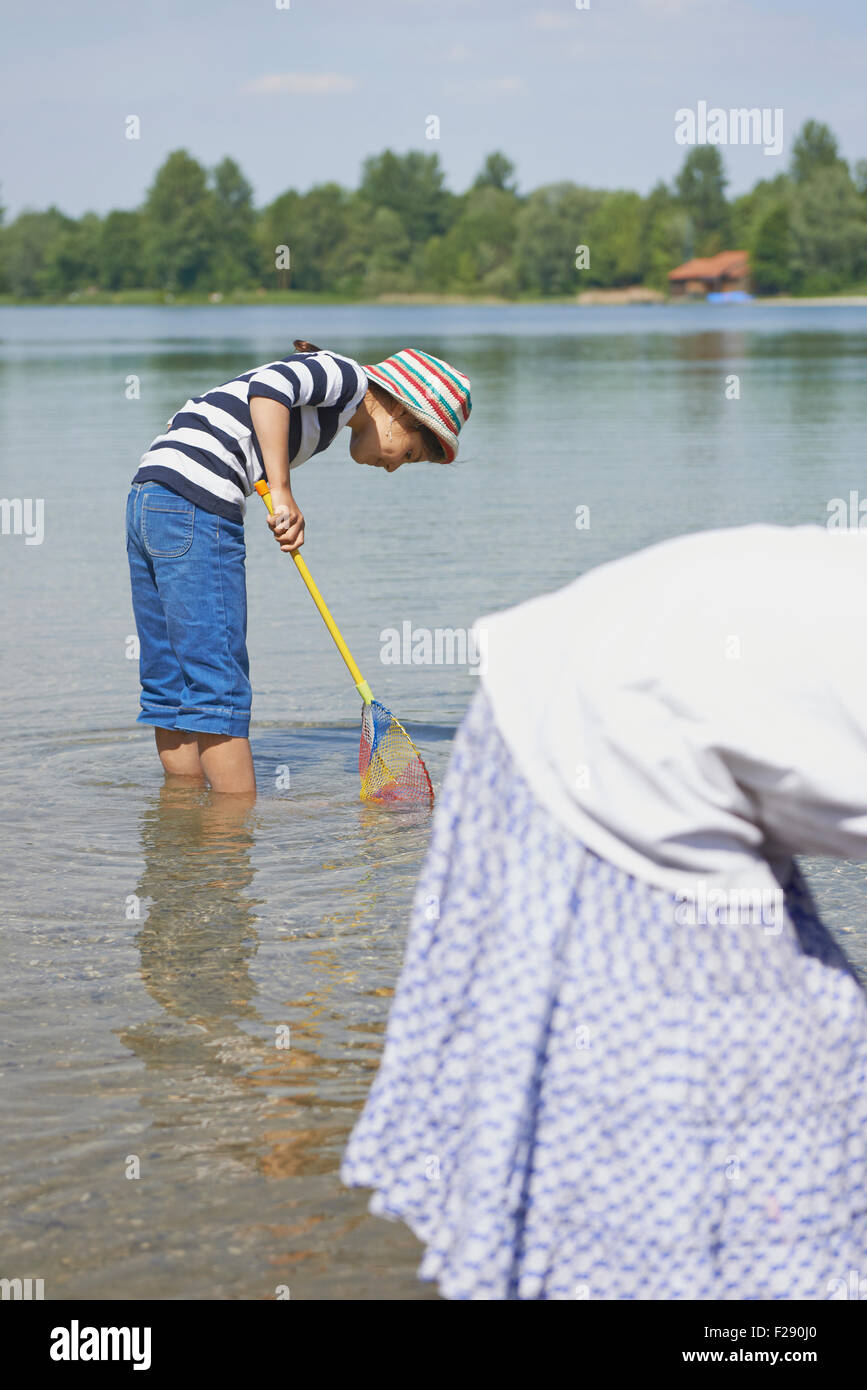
(153, 941)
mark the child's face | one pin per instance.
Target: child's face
(387, 441)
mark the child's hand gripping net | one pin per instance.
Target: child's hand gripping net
(392, 772)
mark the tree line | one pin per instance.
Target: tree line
(403, 231)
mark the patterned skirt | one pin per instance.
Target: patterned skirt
(580, 1098)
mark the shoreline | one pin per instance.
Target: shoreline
(592, 299)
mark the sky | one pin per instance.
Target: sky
(299, 92)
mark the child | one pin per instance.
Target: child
(185, 533)
(625, 1059)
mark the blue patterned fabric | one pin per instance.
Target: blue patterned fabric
(581, 1099)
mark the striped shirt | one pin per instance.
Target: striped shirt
(210, 453)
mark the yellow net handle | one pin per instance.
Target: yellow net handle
(361, 685)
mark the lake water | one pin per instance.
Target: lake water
(153, 943)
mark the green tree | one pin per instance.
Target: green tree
(332, 236)
(815, 148)
(27, 244)
(327, 212)
(411, 185)
(700, 186)
(550, 225)
(72, 258)
(121, 252)
(179, 225)
(234, 262)
(615, 237)
(327, 242)
(477, 251)
(275, 227)
(665, 236)
(771, 252)
(750, 209)
(388, 254)
(436, 266)
(828, 232)
(497, 172)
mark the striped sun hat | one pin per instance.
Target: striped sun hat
(432, 391)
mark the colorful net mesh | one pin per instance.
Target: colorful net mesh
(389, 764)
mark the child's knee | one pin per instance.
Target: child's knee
(179, 752)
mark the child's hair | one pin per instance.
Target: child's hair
(432, 446)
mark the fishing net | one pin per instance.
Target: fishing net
(389, 764)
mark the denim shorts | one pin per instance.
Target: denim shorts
(189, 596)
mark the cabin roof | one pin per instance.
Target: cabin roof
(733, 263)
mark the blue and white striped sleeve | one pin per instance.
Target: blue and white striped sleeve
(309, 378)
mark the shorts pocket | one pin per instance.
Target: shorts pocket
(167, 526)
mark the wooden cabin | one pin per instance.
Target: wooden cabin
(728, 270)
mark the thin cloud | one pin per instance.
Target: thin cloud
(315, 84)
(669, 9)
(552, 19)
(589, 51)
(487, 88)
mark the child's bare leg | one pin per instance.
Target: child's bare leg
(179, 753)
(227, 763)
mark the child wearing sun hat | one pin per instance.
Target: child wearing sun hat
(185, 532)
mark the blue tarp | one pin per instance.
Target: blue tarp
(728, 297)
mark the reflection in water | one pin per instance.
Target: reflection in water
(199, 936)
(266, 1100)
(228, 1074)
